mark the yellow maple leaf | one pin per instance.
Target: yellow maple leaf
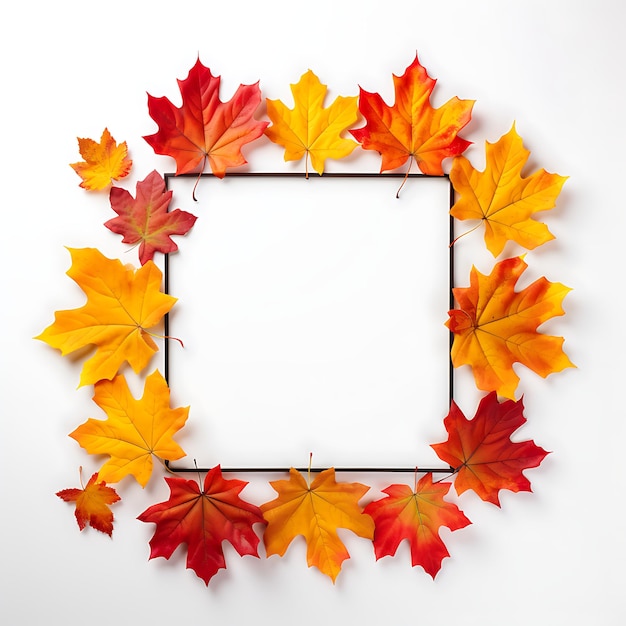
(495, 326)
(316, 511)
(104, 161)
(135, 431)
(502, 198)
(309, 129)
(121, 304)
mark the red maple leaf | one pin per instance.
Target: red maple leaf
(482, 450)
(205, 128)
(92, 504)
(417, 517)
(146, 220)
(411, 127)
(203, 520)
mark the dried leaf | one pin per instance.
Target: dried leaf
(122, 303)
(315, 512)
(412, 128)
(203, 520)
(495, 326)
(146, 220)
(501, 198)
(309, 129)
(417, 517)
(482, 451)
(205, 128)
(104, 162)
(92, 504)
(135, 431)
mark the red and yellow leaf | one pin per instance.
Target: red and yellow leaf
(502, 198)
(135, 431)
(104, 162)
(482, 451)
(495, 326)
(204, 128)
(411, 128)
(146, 220)
(316, 512)
(122, 303)
(203, 520)
(309, 129)
(92, 504)
(417, 517)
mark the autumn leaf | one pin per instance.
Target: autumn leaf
(411, 127)
(203, 520)
(417, 517)
(205, 128)
(482, 451)
(309, 129)
(92, 504)
(135, 431)
(495, 326)
(315, 512)
(104, 162)
(146, 219)
(502, 198)
(122, 303)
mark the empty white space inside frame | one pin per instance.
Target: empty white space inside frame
(312, 314)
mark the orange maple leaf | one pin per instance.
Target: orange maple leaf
(309, 129)
(203, 520)
(415, 515)
(135, 431)
(92, 504)
(121, 304)
(205, 128)
(104, 162)
(412, 128)
(315, 512)
(495, 326)
(501, 198)
(482, 451)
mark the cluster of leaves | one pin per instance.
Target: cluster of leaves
(494, 325)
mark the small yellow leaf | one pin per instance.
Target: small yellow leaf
(309, 128)
(104, 162)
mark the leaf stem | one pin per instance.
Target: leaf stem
(406, 177)
(195, 186)
(467, 232)
(180, 341)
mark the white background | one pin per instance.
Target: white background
(555, 68)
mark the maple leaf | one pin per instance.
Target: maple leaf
(205, 128)
(203, 520)
(309, 129)
(104, 162)
(495, 326)
(92, 504)
(315, 511)
(121, 304)
(417, 517)
(135, 431)
(482, 451)
(412, 128)
(146, 220)
(501, 198)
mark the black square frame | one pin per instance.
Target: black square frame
(402, 178)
